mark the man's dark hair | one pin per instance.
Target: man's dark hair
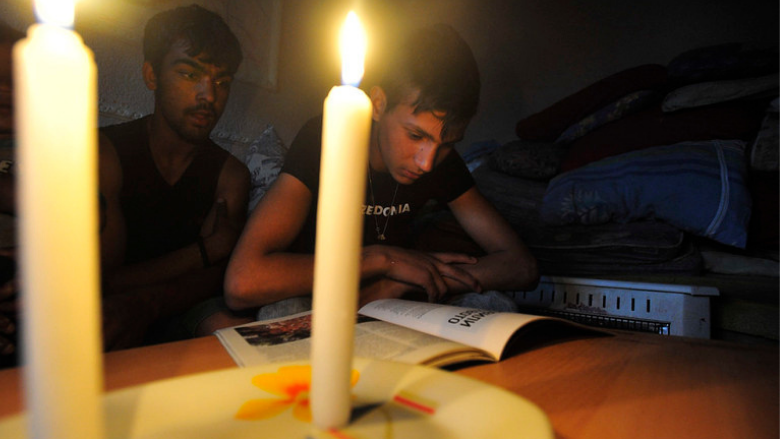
(203, 30)
(436, 61)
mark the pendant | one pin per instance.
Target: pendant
(381, 237)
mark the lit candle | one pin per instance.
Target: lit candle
(345, 135)
(56, 125)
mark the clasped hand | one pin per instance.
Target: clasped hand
(222, 235)
(420, 271)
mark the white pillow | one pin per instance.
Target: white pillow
(707, 93)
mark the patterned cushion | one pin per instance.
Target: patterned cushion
(264, 159)
(526, 159)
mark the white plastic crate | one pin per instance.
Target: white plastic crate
(640, 306)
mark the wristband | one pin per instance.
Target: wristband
(203, 254)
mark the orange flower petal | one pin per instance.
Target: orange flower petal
(302, 411)
(287, 381)
(258, 409)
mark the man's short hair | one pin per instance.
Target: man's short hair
(436, 61)
(203, 30)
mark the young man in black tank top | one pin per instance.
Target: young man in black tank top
(183, 198)
(420, 110)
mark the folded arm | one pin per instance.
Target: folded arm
(136, 296)
(507, 264)
(262, 270)
(219, 234)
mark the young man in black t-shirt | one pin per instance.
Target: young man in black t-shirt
(421, 108)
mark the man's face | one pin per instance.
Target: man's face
(6, 91)
(190, 93)
(408, 145)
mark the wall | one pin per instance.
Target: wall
(531, 52)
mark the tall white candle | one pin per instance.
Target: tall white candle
(56, 124)
(345, 136)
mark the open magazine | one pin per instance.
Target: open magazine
(391, 329)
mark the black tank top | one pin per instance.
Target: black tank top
(160, 217)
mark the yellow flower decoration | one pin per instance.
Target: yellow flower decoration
(292, 384)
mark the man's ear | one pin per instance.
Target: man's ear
(150, 78)
(378, 102)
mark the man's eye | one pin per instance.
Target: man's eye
(223, 82)
(189, 75)
(415, 136)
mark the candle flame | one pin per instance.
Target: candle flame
(57, 12)
(353, 50)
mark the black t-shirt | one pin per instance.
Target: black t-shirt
(392, 213)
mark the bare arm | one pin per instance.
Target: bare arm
(508, 264)
(262, 271)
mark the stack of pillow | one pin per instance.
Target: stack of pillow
(681, 143)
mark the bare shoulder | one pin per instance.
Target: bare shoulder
(106, 147)
(285, 205)
(234, 175)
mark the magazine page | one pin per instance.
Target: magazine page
(288, 339)
(486, 330)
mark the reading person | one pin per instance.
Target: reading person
(183, 198)
(421, 109)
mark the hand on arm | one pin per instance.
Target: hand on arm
(219, 233)
(429, 272)
(227, 218)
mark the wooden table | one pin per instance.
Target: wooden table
(626, 386)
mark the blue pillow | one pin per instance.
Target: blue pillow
(698, 187)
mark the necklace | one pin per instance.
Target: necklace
(380, 235)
